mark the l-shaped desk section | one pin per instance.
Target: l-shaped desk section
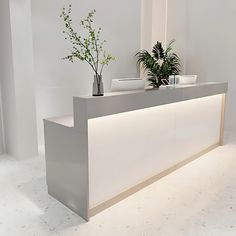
(115, 145)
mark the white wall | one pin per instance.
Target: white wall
(2, 137)
(57, 80)
(17, 82)
(7, 75)
(3, 16)
(211, 51)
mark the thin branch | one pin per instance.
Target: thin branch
(95, 43)
(102, 69)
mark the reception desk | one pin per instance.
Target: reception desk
(115, 145)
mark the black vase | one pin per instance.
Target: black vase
(98, 86)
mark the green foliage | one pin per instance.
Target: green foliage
(160, 64)
(89, 48)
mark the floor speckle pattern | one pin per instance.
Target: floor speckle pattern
(196, 200)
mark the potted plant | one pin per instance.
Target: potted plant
(89, 49)
(160, 64)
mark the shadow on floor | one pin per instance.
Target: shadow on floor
(54, 214)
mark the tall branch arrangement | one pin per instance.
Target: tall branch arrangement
(90, 48)
(160, 64)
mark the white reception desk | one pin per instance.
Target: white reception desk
(115, 145)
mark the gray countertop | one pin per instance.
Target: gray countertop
(89, 107)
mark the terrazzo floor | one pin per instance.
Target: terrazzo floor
(196, 200)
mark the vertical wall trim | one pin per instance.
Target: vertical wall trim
(166, 22)
(146, 24)
(18, 95)
(159, 21)
(3, 142)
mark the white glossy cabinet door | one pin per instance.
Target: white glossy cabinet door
(127, 148)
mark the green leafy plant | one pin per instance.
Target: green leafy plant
(160, 64)
(89, 48)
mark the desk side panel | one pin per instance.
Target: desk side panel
(67, 166)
